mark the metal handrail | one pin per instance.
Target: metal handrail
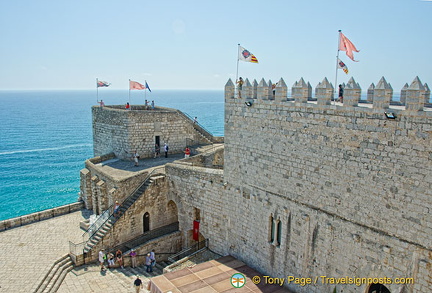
(207, 132)
(187, 251)
(106, 215)
(147, 236)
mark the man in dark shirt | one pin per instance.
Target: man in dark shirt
(138, 284)
(341, 93)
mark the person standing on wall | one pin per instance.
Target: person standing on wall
(240, 86)
(341, 93)
(166, 148)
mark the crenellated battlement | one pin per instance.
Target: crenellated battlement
(414, 98)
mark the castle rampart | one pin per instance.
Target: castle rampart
(315, 167)
(123, 131)
(310, 187)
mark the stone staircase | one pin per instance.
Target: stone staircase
(127, 275)
(200, 130)
(55, 275)
(107, 225)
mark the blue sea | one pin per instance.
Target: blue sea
(45, 137)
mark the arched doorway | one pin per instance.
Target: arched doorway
(378, 288)
(146, 222)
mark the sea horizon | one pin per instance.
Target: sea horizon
(46, 136)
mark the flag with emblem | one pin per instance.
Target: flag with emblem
(342, 66)
(245, 55)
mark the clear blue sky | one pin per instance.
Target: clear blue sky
(193, 44)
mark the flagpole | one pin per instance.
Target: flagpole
(129, 92)
(337, 60)
(238, 49)
(145, 90)
(97, 91)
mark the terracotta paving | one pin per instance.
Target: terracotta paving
(212, 276)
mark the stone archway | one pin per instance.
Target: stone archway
(146, 222)
(172, 212)
(378, 288)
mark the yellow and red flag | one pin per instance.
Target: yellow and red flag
(245, 55)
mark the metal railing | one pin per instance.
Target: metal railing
(109, 213)
(147, 236)
(79, 248)
(206, 133)
(76, 248)
(188, 251)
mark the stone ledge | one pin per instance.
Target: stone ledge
(40, 216)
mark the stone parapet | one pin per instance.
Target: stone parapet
(40, 216)
(324, 92)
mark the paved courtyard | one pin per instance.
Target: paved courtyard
(28, 252)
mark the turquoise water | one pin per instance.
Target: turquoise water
(45, 137)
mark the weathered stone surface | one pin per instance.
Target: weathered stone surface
(307, 189)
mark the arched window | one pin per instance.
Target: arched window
(278, 232)
(271, 229)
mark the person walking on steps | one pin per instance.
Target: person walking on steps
(148, 263)
(138, 284)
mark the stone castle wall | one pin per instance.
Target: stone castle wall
(122, 132)
(314, 189)
(308, 189)
(162, 211)
(100, 190)
(349, 190)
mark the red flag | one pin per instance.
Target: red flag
(196, 230)
(346, 45)
(133, 85)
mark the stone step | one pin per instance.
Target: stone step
(56, 271)
(48, 276)
(126, 281)
(62, 277)
(59, 276)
